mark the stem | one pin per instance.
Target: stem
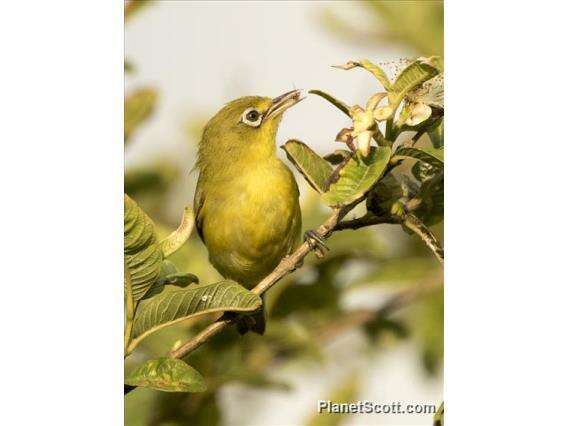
(366, 220)
(416, 226)
(389, 130)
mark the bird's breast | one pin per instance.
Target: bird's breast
(252, 219)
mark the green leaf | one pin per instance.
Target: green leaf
(437, 62)
(429, 155)
(386, 192)
(437, 135)
(168, 375)
(372, 68)
(431, 211)
(413, 75)
(167, 304)
(170, 275)
(339, 104)
(142, 253)
(138, 106)
(314, 168)
(337, 156)
(176, 239)
(423, 171)
(357, 177)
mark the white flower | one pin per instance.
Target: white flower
(365, 121)
(420, 100)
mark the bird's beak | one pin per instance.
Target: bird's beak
(283, 102)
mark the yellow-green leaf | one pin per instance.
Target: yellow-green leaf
(357, 177)
(384, 194)
(431, 210)
(342, 106)
(413, 75)
(429, 155)
(314, 168)
(437, 135)
(176, 239)
(167, 304)
(142, 253)
(168, 375)
(372, 68)
(138, 106)
(337, 156)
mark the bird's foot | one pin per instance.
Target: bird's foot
(316, 243)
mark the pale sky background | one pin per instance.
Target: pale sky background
(202, 54)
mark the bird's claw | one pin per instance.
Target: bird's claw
(316, 243)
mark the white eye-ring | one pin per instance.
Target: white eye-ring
(252, 117)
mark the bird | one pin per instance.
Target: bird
(246, 202)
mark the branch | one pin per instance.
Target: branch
(416, 226)
(286, 266)
(409, 220)
(367, 220)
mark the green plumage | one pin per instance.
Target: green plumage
(246, 201)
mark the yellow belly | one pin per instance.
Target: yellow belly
(251, 222)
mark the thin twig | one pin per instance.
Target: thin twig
(416, 226)
(366, 220)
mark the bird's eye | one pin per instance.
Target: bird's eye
(252, 117)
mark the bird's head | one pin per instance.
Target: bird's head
(245, 128)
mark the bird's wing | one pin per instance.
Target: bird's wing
(198, 201)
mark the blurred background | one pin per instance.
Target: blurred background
(365, 322)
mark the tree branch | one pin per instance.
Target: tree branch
(286, 266)
(416, 226)
(410, 221)
(366, 220)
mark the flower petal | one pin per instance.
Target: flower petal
(363, 121)
(355, 110)
(344, 135)
(382, 113)
(364, 142)
(419, 112)
(375, 100)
